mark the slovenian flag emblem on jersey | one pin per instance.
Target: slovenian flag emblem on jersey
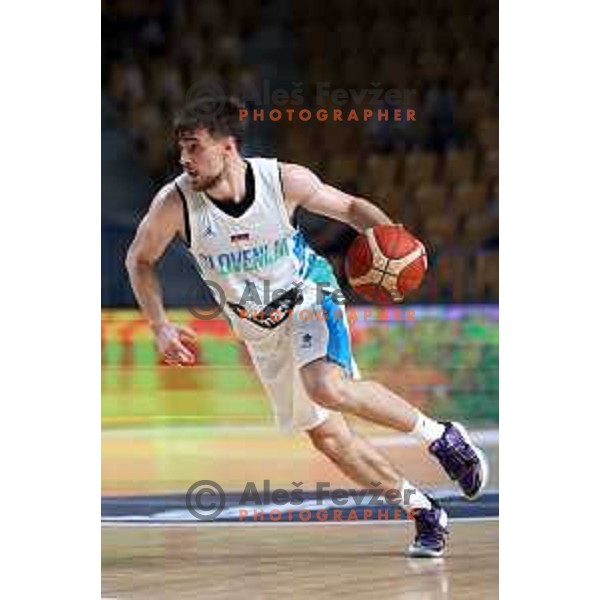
(240, 237)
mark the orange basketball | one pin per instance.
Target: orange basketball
(385, 263)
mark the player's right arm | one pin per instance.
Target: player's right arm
(163, 221)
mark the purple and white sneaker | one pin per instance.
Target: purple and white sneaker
(431, 524)
(464, 462)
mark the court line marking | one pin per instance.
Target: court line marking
(108, 523)
(232, 513)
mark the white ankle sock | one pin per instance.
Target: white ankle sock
(427, 429)
(411, 497)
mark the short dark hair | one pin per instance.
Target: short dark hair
(219, 115)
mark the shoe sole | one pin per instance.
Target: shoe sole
(485, 470)
(419, 552)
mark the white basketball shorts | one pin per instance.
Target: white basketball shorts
(314, 330)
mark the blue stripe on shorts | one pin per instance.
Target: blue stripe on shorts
(338, 346)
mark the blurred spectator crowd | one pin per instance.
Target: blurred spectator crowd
(438, 175)
(153, 51)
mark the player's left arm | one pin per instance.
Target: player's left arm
(302, 187)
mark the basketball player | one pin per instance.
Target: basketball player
(235, 215)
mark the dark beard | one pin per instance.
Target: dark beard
(205, 183)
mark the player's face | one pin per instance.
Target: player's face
(203, 158)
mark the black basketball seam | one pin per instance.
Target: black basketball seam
(384, 272)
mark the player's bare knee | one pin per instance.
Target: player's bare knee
(332, 443)
(332, 446)
(326, 392)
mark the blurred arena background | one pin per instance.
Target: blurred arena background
(164, 428)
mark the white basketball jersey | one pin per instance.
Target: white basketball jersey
(260, 247)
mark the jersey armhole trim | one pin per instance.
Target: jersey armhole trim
(290, 218)
(293, 218)
(280, 179)
(186, 217)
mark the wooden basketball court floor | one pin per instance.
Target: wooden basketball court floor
(296, 560)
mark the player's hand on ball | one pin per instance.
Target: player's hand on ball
(174, 344)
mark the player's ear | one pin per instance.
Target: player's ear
(229, 145)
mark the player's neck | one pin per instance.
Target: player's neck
(232, 186)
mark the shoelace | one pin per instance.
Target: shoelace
(456, 458)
